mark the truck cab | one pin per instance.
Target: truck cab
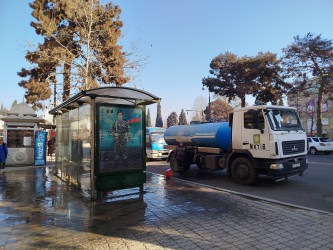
(154, 144)
(272, 138)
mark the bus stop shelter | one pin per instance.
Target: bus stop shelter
(100, 139)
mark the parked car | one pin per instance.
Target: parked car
(320, 144)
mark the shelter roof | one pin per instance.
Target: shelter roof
(110, 95)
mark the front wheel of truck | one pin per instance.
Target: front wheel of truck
(243, 171)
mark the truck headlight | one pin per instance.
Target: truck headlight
(276, 166)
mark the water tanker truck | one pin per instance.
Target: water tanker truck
(257, 140)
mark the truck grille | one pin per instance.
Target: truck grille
(293, 147)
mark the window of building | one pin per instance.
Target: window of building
(20, 138)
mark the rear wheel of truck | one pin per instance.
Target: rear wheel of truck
(198, 163)
(243, 171)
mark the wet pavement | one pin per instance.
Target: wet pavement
(38, 211)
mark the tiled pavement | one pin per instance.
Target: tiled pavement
(41, 212)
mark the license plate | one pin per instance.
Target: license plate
(296, 165)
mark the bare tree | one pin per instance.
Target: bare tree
(198, 107)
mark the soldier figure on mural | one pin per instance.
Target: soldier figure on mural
(121, 132)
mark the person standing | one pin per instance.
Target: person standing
(3, 153)
(49, 145)
(121, 132)
(180, 155)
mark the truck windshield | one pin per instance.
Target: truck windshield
(284, 119)
(157, 137)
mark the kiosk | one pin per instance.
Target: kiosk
(21, 130)
(100, 139)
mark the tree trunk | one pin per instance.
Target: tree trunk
(312, 122)
(67, 81)
(319, 111)
(243, 100)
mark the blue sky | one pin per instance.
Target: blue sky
(181, 37)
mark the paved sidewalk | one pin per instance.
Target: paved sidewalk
(38, 211)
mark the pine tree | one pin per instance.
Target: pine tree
(159, 121)
(182, 118)
(14, 103)
(260, 76)
(172, 119)
(3, 110)
(311, 56)
(148, 119)
(80, 42)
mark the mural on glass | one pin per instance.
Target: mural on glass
(120, 138)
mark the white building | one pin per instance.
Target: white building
(19, 128)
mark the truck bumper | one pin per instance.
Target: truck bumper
(158, 154)
(291, 167)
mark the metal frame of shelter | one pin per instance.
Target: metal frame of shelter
(118, 97)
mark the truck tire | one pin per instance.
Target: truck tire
(243, 171)
(198, 163)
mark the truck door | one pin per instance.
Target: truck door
(255, 137)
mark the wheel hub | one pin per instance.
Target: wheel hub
(242, 171)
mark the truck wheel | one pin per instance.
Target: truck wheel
(313, 151)
(243, 171)
(198, 163)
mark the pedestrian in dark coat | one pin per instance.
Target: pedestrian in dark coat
(3, 153)
(49, 147)
(180, 155)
